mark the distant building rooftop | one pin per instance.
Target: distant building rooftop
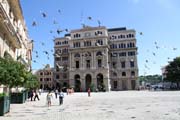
(116, 29)
(67, 35)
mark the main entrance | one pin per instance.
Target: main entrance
(88, 81)
(100, 83)
(77, 83)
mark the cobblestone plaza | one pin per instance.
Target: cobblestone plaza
(146, 105)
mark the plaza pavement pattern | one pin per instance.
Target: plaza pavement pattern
(123, 105)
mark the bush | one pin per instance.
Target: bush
(2, 95)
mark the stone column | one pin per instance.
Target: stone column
(94, 81)
(129, 84)
(83, 86)
(70, 61)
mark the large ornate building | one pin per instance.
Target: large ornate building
(105, 59)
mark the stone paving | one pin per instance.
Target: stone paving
(123, 105)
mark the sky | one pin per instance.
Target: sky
(158, 20)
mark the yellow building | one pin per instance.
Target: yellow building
(14, 39)
(45, 77)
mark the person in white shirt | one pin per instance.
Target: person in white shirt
(49, 97)
(61, 96)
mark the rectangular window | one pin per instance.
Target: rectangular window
(114, 64)
(88, 64)
(122, 54)
(77, 44)
(131, 64)
(77, 64)
(57, 76)
(132, 53)
(87, 43)
(64, 59)
(99, 63)
(115, 84)
(100, 42)
(123, 65)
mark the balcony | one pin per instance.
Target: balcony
(8, 25)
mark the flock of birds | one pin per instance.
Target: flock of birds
(59, 31)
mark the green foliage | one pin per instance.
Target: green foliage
(12, 73)
(2, 95)
(31, 81)
(152, 79)
(173, 71)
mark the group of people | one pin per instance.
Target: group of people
(33, 95)
(49, 97)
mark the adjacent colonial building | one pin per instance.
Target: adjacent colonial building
(14, 39)
(97, 57)
(45, 77)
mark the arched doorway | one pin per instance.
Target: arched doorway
(88, 81)
(100, 83)
(77, 83)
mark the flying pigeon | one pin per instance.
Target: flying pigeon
(140, 33)
(44, 14)
(46, 52)
(59, 11)
(59, 31)
(34, 24)
(89, 18)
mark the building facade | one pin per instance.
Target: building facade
(46, 78)
(14, 39)
(99, 58)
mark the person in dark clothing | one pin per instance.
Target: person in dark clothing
(56, 93)
(61, 96)
(31, 94)
(36, 96)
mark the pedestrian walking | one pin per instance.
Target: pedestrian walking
(56, 93)
(49, 97)
(61, 96)
(36, 96)
(40, 91)
(89, 92)
(31, 95)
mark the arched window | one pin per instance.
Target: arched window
(123, 73)
(132, 73)
(124, 45)
(77, 55)
(132, 35)
(130, 45)
(99, 53)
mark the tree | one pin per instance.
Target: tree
(31, 81)
(152, 79)
(12, 73)
(173, 72)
